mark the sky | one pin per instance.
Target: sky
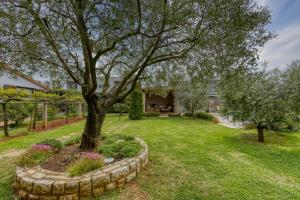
(282, 50)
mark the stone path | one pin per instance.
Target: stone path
(12, 153)
(225, 121)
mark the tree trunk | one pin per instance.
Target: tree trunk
(93, 125)
(260, 132)
(5, 120)
(34, 117)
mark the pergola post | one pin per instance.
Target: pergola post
(45, 115)
(144, 102)
(80, 110)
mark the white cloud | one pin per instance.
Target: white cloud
(282, 50)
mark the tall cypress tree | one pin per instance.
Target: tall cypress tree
(136, 106)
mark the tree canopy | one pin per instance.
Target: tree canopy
(259, 97)
(130, 39)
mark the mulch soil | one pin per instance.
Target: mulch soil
(62, 159)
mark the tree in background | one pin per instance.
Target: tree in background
(136, 105)
(257, 97)
(292, 76)
(193, 95)
(129, 39)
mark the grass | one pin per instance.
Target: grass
(193, 159)
(83, 166)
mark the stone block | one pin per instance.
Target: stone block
(85, 187)
(97, 191)
(100, 179)
(42, 187)
(121, 182)
(69, 197)
(111, 186)
(143, 156)
(22, 194)
(58, 187)
(138, 167)
(33, 197)
(130, 177)
(26, 183)
(119, 173)
(71, 187)
(132, 166)
(48, 197)
(31, 171)
(38, 175)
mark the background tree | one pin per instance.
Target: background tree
(292, 76)
(128, 38)
(193, 95)
(257, 97)
(136, 105)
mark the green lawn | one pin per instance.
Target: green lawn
(193, 159)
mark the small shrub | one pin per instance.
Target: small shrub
(41, 147)
(33, 157)
(72, 141)
(83, 166)
(152, 114)
(136, 106)
(174, 115)
(119, 146)
(188, 114)
(204, 116)
(216, 120)
(56, 144)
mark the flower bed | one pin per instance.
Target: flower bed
(37, 183)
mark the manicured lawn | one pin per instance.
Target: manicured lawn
(193, 159)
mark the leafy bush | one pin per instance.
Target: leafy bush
(18, 112)
(119, 146)
(72, 141)
(56, 144)
(152, 114)
(136, 106)
(174, 115)
(204, 116)
(33, 157)
(84, 165)
(188, 114)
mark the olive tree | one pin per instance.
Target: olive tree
(257, 97)
(126, 38)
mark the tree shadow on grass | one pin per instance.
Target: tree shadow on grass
(279, 153)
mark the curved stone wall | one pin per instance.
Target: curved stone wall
(39, 184)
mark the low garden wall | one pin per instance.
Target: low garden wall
(37, 183)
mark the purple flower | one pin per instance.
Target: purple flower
(41, 147)
(90, 155)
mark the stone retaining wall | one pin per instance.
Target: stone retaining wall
(39, 184)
